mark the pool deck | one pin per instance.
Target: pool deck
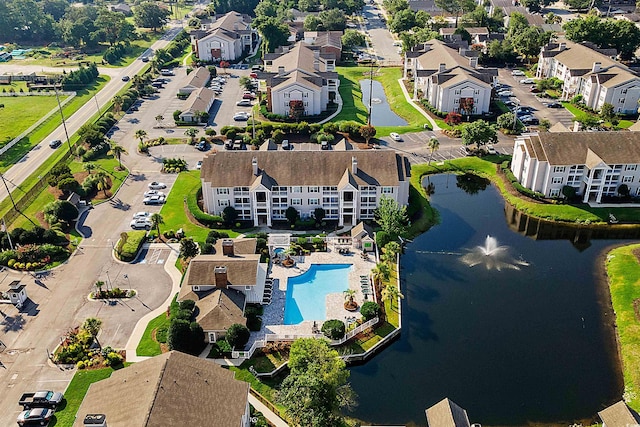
(273, 316)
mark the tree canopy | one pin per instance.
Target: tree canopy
(606, 33)
(391, 217)
(150, 15)
(479, 133)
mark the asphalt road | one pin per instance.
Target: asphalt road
(32, 160)
(381, 38)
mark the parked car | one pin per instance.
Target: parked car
(466, 151)
(244, 103)
(140, 223)
(155, 185)
(199, 165)
(253, 75)
(554, 105)
(241, 116)
(153, 200)
(510, 103)
(395, 136)
(40, 416)
(528, 81)
(134, 108)
(145, 59)
(153, 193)
(491, 149)
(530, 120)
(324, 145)
(41, 399)
(201, 146)
(286, 145)
(249, 95)
(505, 93)
(256, 68)
(141, 214)
(125, 78)
(166, 72)
(517, 73)
(534, 89)
(55, 143)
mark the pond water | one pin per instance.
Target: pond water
(381, 113)
(512, 329)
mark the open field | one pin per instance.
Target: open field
(20, 112)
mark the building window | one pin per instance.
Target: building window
(554, 192)
(296, 202)
(556, 180)
(387, 190)
(314, 189)
(223, 203)
(627, 178)
(558, 169)
(222, 191)
(261, 197)
(296, 189)
(314, 201)
(631, 167)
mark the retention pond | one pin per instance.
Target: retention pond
(514, 330)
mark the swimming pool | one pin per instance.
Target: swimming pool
(278, 251)
(306, 293)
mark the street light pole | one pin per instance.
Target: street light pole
(370, 93)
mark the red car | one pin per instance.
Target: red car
(248, 96)
(253, 75)
(534, 90)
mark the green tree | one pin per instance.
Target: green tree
(403, 20)
(392, 248)
(292, 215)
(60, 211)
(391, 217)
(237, 335)
(188, 248)
(89, 167)
(319, 214)
(150, 15)
(479, 133)
(391, 293)
(433, 145)
(229, 215)
(117, 104)
(192, 133)
(117, 151)
(333, 329)
(114, 26)
(102, 182)
(529, 41)
(92, 326)
(352, 38)
(369, 310)
(245, 82)
(381, 273)
(156, 222)
(508, 122)
(607, 111)
(517, 23)
(141, 134)
(274, 32)
(456, 7)
(333, 20)
(349, 295)
(90, 134)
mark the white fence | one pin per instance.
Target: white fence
(246, 354)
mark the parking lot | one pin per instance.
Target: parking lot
(525, 97)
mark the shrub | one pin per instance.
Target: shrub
(382, 238)
(254, 323)
(369, 310)
(237, 335)
(129, 246)
(333, 329)
(202, 217)
(80, 364)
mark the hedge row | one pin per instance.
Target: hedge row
(514, 181)
(201, 217)
(129, 244)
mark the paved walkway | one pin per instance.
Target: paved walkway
(268, 414)
(414, 105)
(176, 276)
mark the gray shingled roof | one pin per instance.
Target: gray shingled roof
(287, 168)
(173, 389)
(619, 415)
(447, 414)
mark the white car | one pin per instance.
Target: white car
(154, 200)
(142, 215)
(395, 136)
(153, 193)
(528, 81)
(505, 93)
(241, 116)
(244, 103)
(491, 149)
(139, 223)
(199, 165)
(155, 185)
(517, 73)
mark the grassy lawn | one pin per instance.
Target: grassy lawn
(148, 346)
(354, 109)
(624, 282)
(20, 112)
(9, 158)
(556, 212)
(173, 211)
(75, 393)
(579, 115)
(266, 386)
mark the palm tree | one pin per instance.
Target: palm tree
(117, 104)
(433, 146)
(391, 293)
(191, 133)
(393, 248)
(388, 257)
(92, 326)
(141, 134)
(349, 294)
(102, 182)
(159, 119)
(381, 273)
(117, 151)
(156, 222)
(89, 167)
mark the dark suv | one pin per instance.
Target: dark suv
(55, 143)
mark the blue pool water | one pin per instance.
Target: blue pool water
(306, 293)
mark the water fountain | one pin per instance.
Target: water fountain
(492, 256)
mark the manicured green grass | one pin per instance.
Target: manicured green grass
(624, 283)
(266, 386)
(580, 115)
(20, 112)
(580, 213)
(75, 393)
(354, 109)
(625, 124)
(148, 346)
(173, 211)
(9, 158)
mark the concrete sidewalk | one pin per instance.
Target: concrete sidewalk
(176, 277)
(268, 413)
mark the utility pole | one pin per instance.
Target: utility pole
(13, 201)
(64, 123)
(370, 93)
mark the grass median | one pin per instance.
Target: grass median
(623, 269)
